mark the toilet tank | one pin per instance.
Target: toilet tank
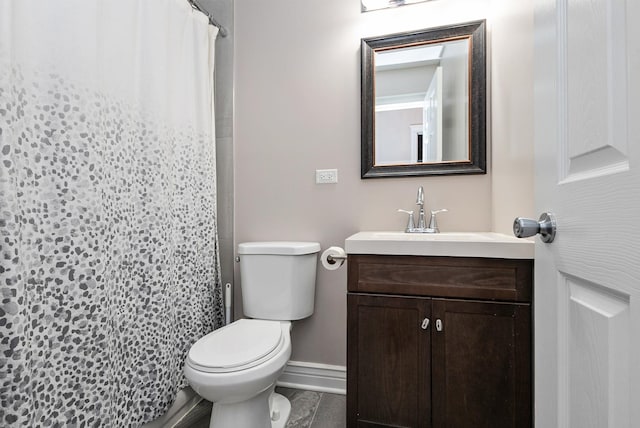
(278, 279)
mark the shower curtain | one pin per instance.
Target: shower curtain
(108, 246)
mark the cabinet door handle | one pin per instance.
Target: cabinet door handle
(439, 324)
(425, 323)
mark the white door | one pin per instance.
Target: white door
(587, 282)
(432, 119)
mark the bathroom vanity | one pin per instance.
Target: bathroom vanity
(439, 330)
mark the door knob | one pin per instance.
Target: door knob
(545, 226)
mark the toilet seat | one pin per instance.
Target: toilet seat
(238, 346)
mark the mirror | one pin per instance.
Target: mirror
(424, 102)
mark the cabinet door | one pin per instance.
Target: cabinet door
(388, 362)
(481, 364)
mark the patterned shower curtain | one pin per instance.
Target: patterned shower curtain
(108, 245)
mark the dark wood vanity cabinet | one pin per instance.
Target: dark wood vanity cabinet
(438, 342)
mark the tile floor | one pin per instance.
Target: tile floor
(309, 409)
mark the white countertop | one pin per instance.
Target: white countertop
(463, 244)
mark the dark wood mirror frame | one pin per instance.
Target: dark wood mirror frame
(476, 164)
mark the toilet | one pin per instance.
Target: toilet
(236, 366)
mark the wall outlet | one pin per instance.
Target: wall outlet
(324, 176)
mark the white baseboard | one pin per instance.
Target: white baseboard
(314, 377)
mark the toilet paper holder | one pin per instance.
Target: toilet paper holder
(333, 258)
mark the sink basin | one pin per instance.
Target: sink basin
(463, 244)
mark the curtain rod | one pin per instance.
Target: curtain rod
(212, 20)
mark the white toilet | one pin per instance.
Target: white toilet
(236, 366)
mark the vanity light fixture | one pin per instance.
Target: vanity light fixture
(369, 5)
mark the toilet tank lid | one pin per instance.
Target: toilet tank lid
(279, 247)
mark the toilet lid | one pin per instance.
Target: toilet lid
(242, 344)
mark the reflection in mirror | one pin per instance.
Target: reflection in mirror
(423, 102)
(415, 87)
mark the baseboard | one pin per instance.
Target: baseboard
(314, 377)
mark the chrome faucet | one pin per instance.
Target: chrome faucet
(422, 226)
(420, 203)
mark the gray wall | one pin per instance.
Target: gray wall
(297, 109)
(222, 10)
(393, 135)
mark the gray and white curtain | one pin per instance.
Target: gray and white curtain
(108, 244)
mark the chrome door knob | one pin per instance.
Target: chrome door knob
(545, 226)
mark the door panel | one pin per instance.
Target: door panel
(593, 87)
(481, 361)
(594, 356)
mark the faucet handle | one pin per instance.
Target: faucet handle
(410, 224)
(433, 223)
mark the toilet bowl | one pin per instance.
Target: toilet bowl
(236, 368)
